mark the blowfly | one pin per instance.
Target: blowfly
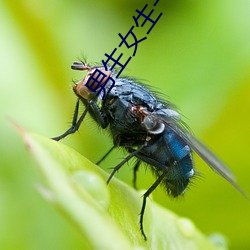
(148, 127)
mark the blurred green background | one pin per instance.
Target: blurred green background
(198, 54)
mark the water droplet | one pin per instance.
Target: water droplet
(187, 227)
(94, 185)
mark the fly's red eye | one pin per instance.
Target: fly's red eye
(91, 81)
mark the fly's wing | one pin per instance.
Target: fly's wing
(208, 156)
(175, 124)
(212, 160)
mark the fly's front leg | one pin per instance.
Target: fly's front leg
(95, 112)
(75, 123)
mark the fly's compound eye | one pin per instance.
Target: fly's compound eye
(94, 79)
(153, 126)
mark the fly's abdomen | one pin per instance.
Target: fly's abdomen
(170, 155)
(180, 166)
(178, 176)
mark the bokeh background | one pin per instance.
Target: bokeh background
(198, 55)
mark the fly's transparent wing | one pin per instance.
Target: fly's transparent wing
(207, 155)
(174, 123)
(210, 158)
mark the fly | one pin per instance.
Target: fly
(149, 128)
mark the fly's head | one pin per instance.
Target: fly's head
(80, 88)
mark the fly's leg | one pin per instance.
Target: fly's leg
(75, 124)
(97, 114)
(135, 169)
(145, 196)
(125, 160)
(93, 109)
(105, 155)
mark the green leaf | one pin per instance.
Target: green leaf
(107, 215)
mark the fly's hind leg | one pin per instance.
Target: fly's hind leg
(145, 196)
